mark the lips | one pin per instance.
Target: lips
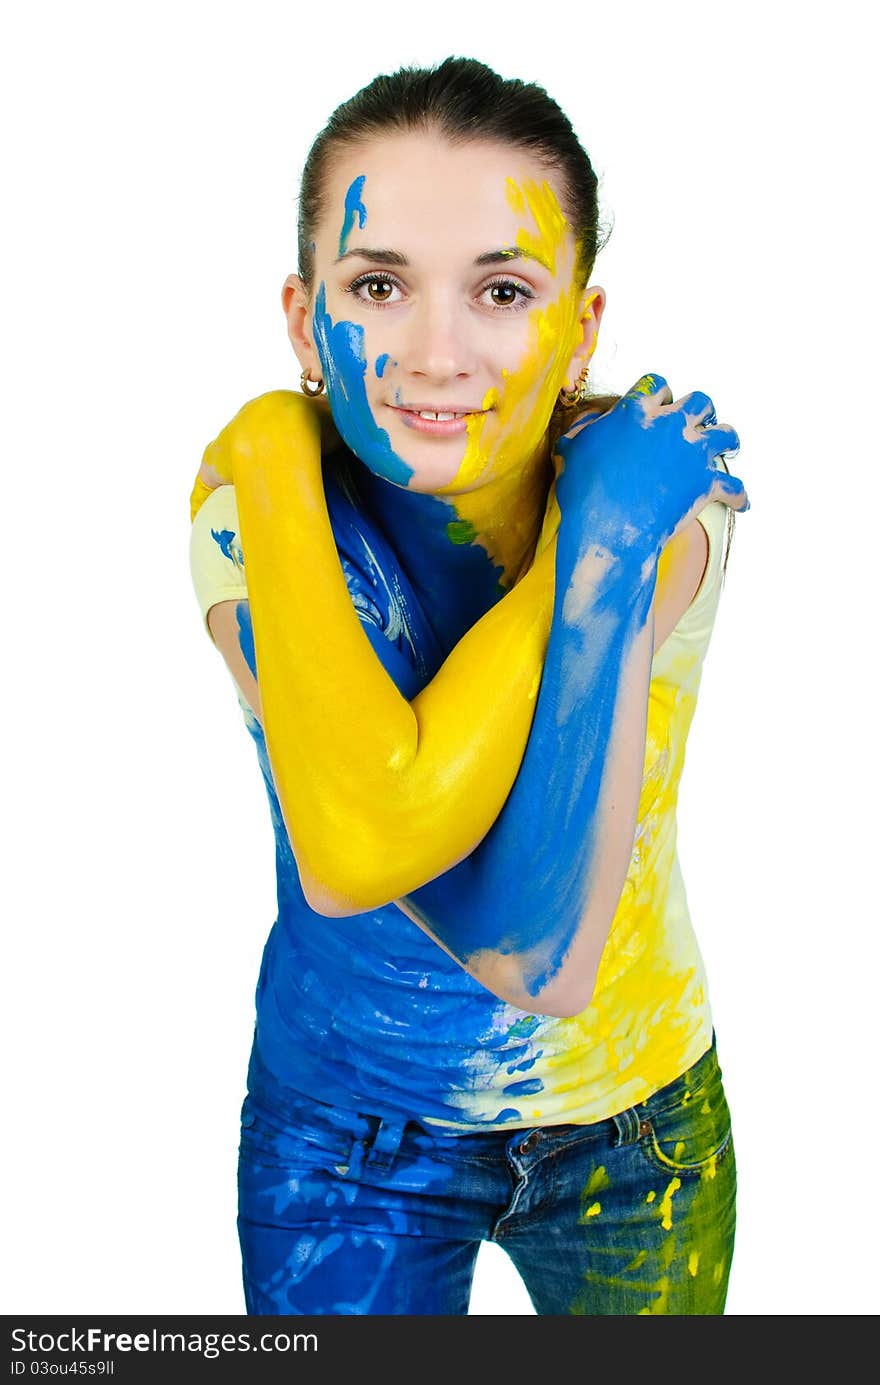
(444, 410)
(435, 420)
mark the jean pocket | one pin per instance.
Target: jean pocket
(691, 1137)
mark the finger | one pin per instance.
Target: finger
(210, 475)
(198, 495)
(651, 384)
(731, 490)
(721, 438)
(697, 405)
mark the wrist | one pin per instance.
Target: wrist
(607, 531)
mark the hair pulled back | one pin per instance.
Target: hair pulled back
(463, 100)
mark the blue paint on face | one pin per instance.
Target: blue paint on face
(246, 635)
(381, 363)
(343, 358)
(354, 208)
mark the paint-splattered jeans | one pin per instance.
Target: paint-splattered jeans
(341, 1213)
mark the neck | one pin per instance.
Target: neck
(463, 552)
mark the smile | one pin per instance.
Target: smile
(439, 422)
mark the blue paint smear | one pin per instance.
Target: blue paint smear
(246, 635)
(343, 361)
(224, 539)
(381, 363)
(455, 584)
(527, 1088)
(354, 208)
(524, 1067)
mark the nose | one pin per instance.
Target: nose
(439, 346)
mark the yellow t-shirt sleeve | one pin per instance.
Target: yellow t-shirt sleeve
(216, 560)
(715, 520)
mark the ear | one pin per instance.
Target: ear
(297, 310)
(591, 316)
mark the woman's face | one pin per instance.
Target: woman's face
(443, 285)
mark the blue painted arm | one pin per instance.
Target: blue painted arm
(630, 479)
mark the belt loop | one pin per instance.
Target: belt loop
(628, 1126)
(386, 1143)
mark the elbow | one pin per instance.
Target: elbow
(565, 996)
(334, 891)
(570, 992)
(559, 1003)
(552, 1002)
(333, 899)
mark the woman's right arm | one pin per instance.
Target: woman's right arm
(379, 793)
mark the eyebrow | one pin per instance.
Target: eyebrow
(396, 257)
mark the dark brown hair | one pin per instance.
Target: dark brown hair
(463, 100)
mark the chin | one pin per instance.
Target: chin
(433, 472)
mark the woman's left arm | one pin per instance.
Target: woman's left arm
(530, 908)
(532, 905)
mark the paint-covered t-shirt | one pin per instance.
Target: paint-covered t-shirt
(369, 1013)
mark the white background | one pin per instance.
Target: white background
(150, 168)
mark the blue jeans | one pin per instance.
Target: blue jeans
(345, 1213)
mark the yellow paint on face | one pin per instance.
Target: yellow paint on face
(549, 219)
(593, 1210)
(508, 437)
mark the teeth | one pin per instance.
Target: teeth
(437, 418)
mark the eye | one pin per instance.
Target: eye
(508, 295)
(374, 289)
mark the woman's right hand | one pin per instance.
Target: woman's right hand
(635, 476)
(260, 423)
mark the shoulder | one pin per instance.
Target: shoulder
(690, 570)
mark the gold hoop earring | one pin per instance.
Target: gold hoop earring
(306, 382)
(578, 393)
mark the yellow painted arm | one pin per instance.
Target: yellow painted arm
(379, 795)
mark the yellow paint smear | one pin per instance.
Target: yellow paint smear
(666, 1204)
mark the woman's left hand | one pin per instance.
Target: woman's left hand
(639, 473)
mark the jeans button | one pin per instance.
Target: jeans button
(529, 1143)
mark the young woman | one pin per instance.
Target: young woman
(466, 610)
